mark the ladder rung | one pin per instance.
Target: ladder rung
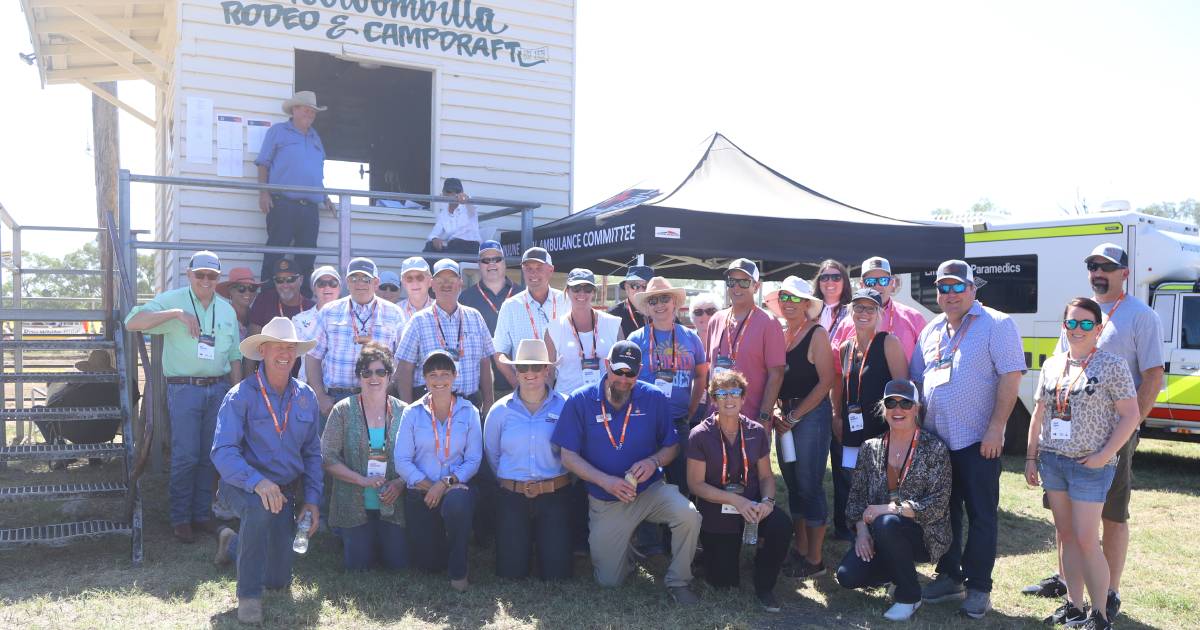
(62, 491)
(57, 344)
(60, 377)
(60, 533)
(50, 452)
(52, 315)
(64, 414)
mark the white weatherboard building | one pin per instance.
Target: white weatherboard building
(417, 90)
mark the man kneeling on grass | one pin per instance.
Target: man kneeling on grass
(268, 451)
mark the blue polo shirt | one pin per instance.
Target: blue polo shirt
(581, 430)
(293, 159)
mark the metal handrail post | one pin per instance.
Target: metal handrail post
(343, 232)
(18, 334)
(128, 252)
(526, 228)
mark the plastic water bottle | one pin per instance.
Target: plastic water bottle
(750, 533)
(787, 447)
(300, 545)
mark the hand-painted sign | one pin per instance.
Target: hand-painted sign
(453, 26)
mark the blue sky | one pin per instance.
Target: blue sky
(898, 108)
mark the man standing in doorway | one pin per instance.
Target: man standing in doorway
(633, 284)
(527, 314)
(292, 155)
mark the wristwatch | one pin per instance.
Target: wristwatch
(449, 480)
(764, 416)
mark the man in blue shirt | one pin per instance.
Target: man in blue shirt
(292, 154)
(268, 451)
(617, 436)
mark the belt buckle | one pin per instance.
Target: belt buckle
(531, 489)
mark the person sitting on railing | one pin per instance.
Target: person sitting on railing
(457, 228)
(292, 154)
(200, 360)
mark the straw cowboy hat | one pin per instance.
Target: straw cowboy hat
(529, 352)
(279, 329)
(798, 287)
(658, 285)
(97, 361)
(302, 98)
(237, 275)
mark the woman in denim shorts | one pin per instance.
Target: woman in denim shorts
(1086, 410)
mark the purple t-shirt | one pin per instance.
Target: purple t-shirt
(705, 444)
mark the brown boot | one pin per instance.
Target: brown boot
(184, 533)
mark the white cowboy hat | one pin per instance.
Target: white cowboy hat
(658, 285)
(302, 98)
(798, 287)
(529, 352)
(279, 329)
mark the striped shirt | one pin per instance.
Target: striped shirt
(335, 331)
(464, 332)
(521, 313)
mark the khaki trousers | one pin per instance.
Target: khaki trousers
(612, 523)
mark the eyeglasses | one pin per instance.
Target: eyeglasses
(359, 278)
(243, 288)
(903, 403)
(635, 286)
(726, 393)
(1107, 267)
(655, 300)
(882, 281)
(623, 373)
(368, 372)
(700, 312)
(327, 284)
(957, 287)
(1086, 325)
(523, 368)
(829, 277)
(491, 260)
(865, 308)
(206, 275)
(287, 279)
(388, 287)
(582, 288)
(788, 297)
(738, 282)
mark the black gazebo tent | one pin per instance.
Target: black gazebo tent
(729, 206)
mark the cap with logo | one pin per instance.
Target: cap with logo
(876, 263)
(538, 254)
(955, 270)
(487, 246)
(205, 259)
(638, 272)
(415, 263)
(388, 277)
(363, 266)
(745, 265)
(283, 265)
(868, 294)
(580, 276)
(1110, 252)
(446, 264)
(625, 355)
(901, 388)
(322, 271)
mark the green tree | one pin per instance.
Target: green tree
(1186, 210)
(63, 290)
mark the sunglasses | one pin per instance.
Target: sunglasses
(368, 372)
(327, 284)
(1086, 325)
(726, 393)
(903, 403)
(287, 279)
(206, 275)
(794, 299)
(623, 373)
(655, 300)
(957, 287)
(388, 287)
(1107, 267)
(582, 288)
(865, 308)
(242, 288)
(635, 286)
(829, 277)
(738, 282)
(529, 368)
(700, 312)
(491, 260)
(881, 281)
(359, 278)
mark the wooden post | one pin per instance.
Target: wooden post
(106, 155)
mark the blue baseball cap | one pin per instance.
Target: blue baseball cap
(363, 266)
(414, 263)
(389, 277)
(579, 276)
(638, 272)
(490, 245)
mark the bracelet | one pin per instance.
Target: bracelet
(1031, 459)
(770, 500)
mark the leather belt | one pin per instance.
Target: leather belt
(533, 489)
(202, 381)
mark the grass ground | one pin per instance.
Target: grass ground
(91, 585)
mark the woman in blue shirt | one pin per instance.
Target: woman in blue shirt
(438, 450)
(534, 492)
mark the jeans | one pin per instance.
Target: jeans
(676, 471)
(193, 413)
(292, 223)
(374, 543)
(723, 553)
(841, 486)
(805, 477)
(264, 542)
(899, 545)
(578, 498)
(976, 487)
(438, 538)
(523, 524)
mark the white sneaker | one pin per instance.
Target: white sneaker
(901, 612)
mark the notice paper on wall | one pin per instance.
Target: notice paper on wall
(256, 132)
(230, 153)
(199, 130)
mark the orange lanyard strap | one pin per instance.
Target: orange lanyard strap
(262, 389)
(449, 425)
(529, 311)
(604, 417)
(633, 314)
(1062, 397)
(791, 337)
(442, 337)
(355, 320)
(483, 292)
(654, 363)
(725, 458)
(959, 334)
(737, 333)
(908, 458)
(578, 342)
(861, 367)
(1109, 317)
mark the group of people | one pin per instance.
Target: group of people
(622, 433)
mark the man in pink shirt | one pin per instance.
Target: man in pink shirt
(903, 321)
(746, 338)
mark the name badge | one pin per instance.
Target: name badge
(206, 350)
(728, 509)
(376, 468)
(849, 456)
(855, 416)
(663, 380)
(1060, 429)
(600, 417)
(722, 364)
(937, 375)
(591, 377)
(590, 364)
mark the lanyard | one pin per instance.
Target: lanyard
(212, 327)
(449, 425)
(725, 457)
(737, 334)
(654, 362)
(409, 309)
(604, 416)
(262, 389)
(1113, 311)
(633, 315)
(890, 310)
(959, 334)
(442, 337)
(861, 367)
(483, 291)
(595, 333)
(1062, 398)
(387, 418)
(529, 311)
(356, 321)
(791, 337)
(908, 457)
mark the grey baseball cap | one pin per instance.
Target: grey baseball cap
(868, 294)
(876, 263)
(581, 276)
(537, 253)
(1110, 252)
(901, 388)
(324, 270)
(205, 259)
(746, 265)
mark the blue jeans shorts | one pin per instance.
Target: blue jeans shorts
(1064, 474)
